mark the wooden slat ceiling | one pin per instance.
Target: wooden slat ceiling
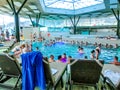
(33, 7)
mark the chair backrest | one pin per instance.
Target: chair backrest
(85, 71)
(48, 74)
(9, 66)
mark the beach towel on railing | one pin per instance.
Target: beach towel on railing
(32, 71)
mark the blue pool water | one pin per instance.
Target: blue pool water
(60, 48)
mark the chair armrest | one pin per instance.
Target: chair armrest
(67, 77)
(108, 82)
(67, 80)
(103, 78)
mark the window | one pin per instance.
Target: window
(71, 4)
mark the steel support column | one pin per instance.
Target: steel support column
(119, 1)
(31, 20)
(117, 16)
(16, 17)
(118, 24)
(37, 20)
(74, 23)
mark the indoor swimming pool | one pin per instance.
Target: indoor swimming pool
(72, 50)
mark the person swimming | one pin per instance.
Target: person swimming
(59, 58)
(115, 61)
(51, 59)
(92, 55)
(80, 50)
(64, 58)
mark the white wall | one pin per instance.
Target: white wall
(28, 30)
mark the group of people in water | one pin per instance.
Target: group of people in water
(64, 59)
(81, 43)
(94, 55)
(61, 58)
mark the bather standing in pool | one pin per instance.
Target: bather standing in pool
(97, 52)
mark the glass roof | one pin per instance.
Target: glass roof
(71, 4)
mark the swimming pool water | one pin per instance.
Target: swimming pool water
(59, 48)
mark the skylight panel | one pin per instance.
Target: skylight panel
(48, 2)
(71, 4)
(63, 5)
(78, 5)
(71, 1)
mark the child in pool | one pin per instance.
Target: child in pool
(80, 50)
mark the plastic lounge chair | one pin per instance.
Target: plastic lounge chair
(53, 80)
(10, 69)
(111, 84)
(9, 43)
(85, 72)
(111, 76)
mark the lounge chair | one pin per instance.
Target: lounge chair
(85, 72)
(10, 69)
(52, 80)
(7, 45)
(39, 69)
(111, 85)
(111, 76)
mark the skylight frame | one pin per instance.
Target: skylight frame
(88, 9)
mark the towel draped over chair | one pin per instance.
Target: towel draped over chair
(33, 71)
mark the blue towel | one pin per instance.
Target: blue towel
(33, 71)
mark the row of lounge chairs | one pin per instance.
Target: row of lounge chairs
(82, 72)
(7, 45)
(11, 69)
